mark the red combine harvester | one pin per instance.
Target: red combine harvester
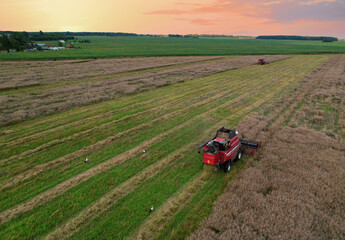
(225, 148)
(262, 61)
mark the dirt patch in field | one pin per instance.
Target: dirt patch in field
(294, 188)
(31, 104)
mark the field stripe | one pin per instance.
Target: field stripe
(44, 121)
(70, 227)
(108, 140)
(258, 104)
(118, 192)
(62, 187)
(40, 87)
(187, 91)
(88, 108)
(156, 222)
(152, 227)
(164, 100)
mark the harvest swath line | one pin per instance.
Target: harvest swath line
(18, 157)
(192, 106)
(151, 228)
(102, 166)
(167, 100)
(275, 88)
(87, 108)
(70, 227)
(125, 73)
(93, 112)
(32, 123)
(118, 192)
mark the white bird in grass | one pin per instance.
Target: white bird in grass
(86, 160)
(144, 151)
(151, 209)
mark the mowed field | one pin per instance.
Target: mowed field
(141, 148)
(110, 47)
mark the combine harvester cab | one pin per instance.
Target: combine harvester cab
(225, 148)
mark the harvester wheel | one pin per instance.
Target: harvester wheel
(239, 155)
(227, 166)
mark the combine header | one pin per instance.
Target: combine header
(225, 148)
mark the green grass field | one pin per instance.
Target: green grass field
(48, 192)
(107, 47)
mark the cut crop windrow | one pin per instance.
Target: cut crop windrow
(212, 129)
(74, 95)
(32, 124)
(189, 107)
(94, 109)
(111, 197)
(164, 102)
(100, 167)
(83, 119)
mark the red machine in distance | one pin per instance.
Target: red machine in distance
(262, 61)
(225, 148)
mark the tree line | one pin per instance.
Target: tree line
(20, 40)
(293, 37)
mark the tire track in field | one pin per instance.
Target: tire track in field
(96, 146)
(68, 184)
(112, 197)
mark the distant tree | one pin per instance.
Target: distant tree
(292, 37)
(16, 40)
(19, 41)
(41, 33)
(5, 42)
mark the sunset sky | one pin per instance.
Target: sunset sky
(237, 17)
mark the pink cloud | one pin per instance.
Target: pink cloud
(166, 12)
(200, 21)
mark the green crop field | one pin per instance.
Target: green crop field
(107, 47)
(141, 147)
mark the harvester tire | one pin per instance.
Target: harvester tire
(239, 155)
(227, 166)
